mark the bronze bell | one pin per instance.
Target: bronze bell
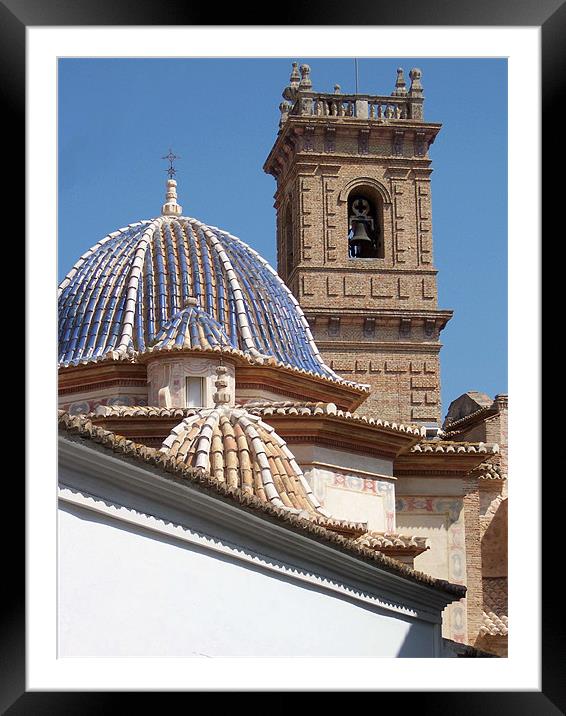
(360, 234)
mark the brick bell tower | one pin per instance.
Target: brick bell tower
(354, 239)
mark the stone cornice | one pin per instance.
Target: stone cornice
(357, 266)
(336, 432)
(449, 460)
(295, 126)
(380, 312)
(405, 347)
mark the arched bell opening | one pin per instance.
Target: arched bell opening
(365, 221)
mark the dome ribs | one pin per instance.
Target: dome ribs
(231, 462)
(160, 278)
(173, 277)
(194, 261)
(217, 455)
(249, 480)
(222, 308)
(116, 290)
(184, 263)
(121, 294)
(140, 327)
(89, 286)
(93, 251)
(209, 286)
(133, 280)
(235, 288)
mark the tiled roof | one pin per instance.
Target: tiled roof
(443, 446)
(495, 594)
(489, 471)
(80, 427)
(241, 450)
(314, 409)
(495, 622)
(141, 411)
(389, 541)
(494, 625)
(188, 329)
(130, 289)
(455, 426)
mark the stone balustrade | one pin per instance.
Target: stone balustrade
(356, 106)
(402, 104)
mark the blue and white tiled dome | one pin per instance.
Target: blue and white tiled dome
(173, 282)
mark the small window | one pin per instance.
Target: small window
(364, 234)
(195, 392)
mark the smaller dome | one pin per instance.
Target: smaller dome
(243, 452)
(190, 328)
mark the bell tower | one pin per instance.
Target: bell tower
(354, 237)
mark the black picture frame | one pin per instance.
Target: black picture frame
(15, 16)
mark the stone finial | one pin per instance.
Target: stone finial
(305, 83)
(284, 108)
(290, 92)
(337, 89)
(222, 395)
(416, 89)
(295, 77)
(171, 208)
(400, 84)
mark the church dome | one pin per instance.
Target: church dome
(174, 282)
(243, 452)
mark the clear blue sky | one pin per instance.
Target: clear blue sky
(118, 117)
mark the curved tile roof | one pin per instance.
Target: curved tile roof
(190, 328)
(494, 624)
(437, 446)
(243, 452)
(130, 290)
(391, 541)
(285, 407)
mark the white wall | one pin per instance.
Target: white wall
(127, 591)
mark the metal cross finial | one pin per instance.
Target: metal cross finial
(171, 171)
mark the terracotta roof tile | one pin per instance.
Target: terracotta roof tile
(390, 541)
(494, 625)
(443, 446)
(313, 409)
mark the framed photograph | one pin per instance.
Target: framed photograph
(89, 91)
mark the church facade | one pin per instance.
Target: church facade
(223, 424)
